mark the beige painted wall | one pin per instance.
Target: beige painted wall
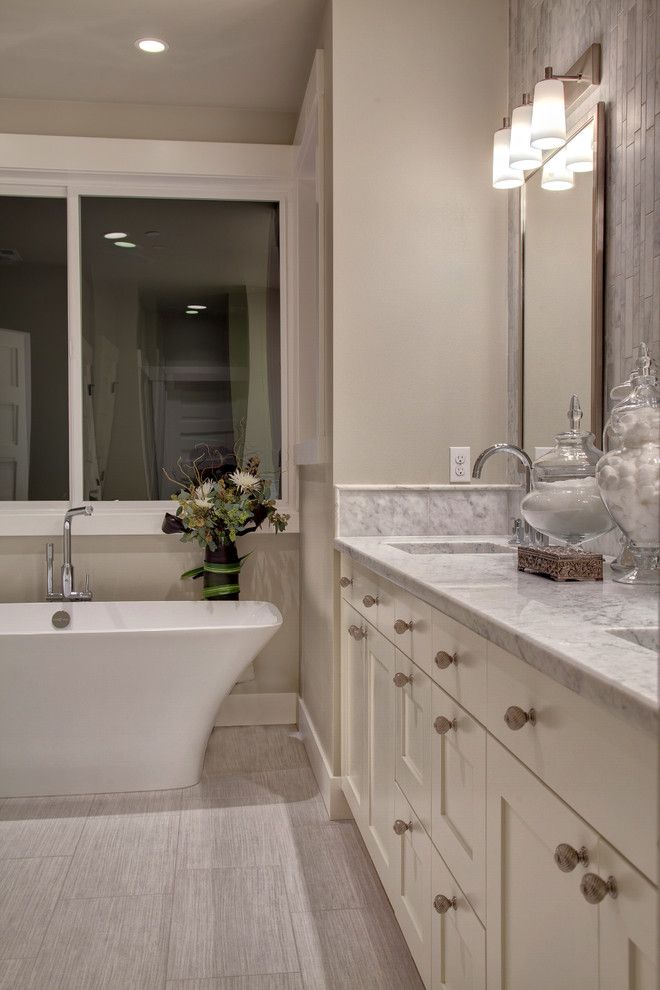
(319, 677)
(148, 568)
(131, 120)
(419, 235)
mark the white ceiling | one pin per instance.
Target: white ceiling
(253, 54)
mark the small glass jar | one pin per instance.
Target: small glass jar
(628, 476)
(564, 502)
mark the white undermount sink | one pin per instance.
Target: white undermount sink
(453, 546)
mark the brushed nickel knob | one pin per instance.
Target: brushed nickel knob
(401, 626)
(595, 889)
(401, 827)
(444, 659)
(442, 724)
(402, 679)
(442, 904)
(345, 582)
(567, 858)
(516, 717)
(357, 633)
(369, 601)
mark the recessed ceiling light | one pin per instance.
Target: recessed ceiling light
(127, 244)
(192, 312)
(153, 46)
(196, 306)
(115, 235)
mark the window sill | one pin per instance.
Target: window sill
(109, 519)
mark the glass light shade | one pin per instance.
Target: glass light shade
(521, 154)
(548, 115)
(580, 151)
(556, 176)
(504, 177)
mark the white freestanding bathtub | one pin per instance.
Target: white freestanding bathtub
(122, 699)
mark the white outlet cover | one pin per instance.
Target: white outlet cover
(459, 465)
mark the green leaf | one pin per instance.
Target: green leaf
(195, 572)
(220, 591)
(212, 568)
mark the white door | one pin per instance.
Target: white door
(412, 896)
(458, 955)
(628, 926)
(379, 837)
(354, 712)
(541, 931)
(15, 402)
(413, 736)
(458, 813)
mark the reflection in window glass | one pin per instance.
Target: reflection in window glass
(181, 339)
(34, 442)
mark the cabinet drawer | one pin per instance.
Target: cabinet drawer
(364, 591)
(410, 627)
(412, 894)
(458, 812)
(598, 764)
(412, 734)
(458, 663)
(458, 940)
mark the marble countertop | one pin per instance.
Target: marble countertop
(560, 629)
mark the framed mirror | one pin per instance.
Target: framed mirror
(561, 286)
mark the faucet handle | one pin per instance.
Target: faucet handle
(88, 589)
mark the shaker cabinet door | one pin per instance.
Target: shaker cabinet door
(413, 736)
(628, 926)
(458, 953)
(354, 634)
(412, 896)
(542, 933)
(379, 836)
(458, 813)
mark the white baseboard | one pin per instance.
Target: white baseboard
(258, 709)
(329, 785)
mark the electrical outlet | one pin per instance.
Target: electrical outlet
(459, 464)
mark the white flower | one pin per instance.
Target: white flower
(201, 495)
(244, 481)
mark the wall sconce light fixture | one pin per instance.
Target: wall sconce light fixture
(504, 177)
(548, 113)
(522, 156)
(556, 176)
(580, 151)
(540, 125)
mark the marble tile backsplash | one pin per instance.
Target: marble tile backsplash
(433, 510)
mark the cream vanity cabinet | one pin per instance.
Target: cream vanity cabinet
(501, 810)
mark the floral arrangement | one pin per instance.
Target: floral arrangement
(221, 500)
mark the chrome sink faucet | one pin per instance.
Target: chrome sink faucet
(68, 593)
(523, 533)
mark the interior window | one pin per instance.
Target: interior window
(34, 442)
(181, 339)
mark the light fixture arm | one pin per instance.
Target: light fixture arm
(579, 77)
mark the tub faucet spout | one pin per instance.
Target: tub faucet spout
(68, 593)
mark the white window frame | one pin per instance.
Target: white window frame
(65, 167)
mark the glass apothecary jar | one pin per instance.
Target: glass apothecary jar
(628, 476)
(565, 502)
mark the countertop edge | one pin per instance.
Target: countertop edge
(616, 698)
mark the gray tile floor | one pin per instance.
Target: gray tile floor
(239, 883)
